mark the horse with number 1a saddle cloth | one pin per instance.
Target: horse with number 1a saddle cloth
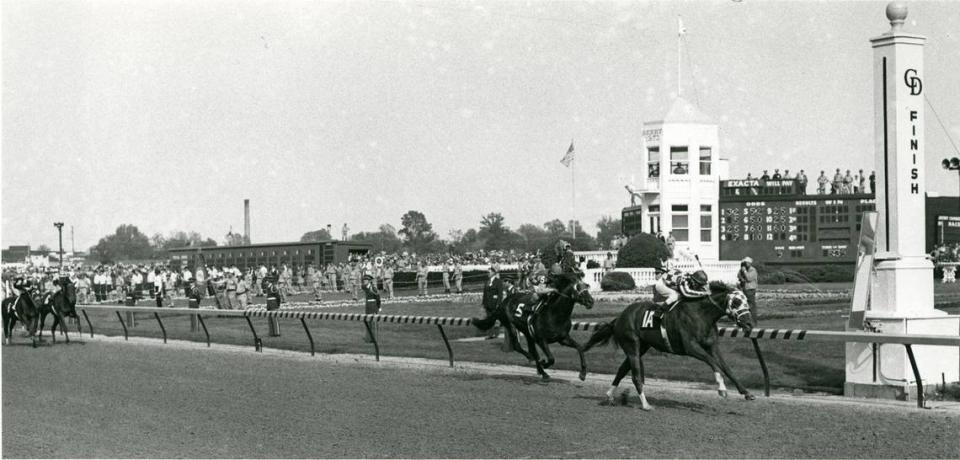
(688, 328)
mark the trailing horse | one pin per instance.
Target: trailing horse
(19, 308)
(551, 324)
(61, 305)
(688, 328)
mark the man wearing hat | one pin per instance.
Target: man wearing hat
(372, 301)
(422, 273)
(447, 270)
(748, 279)
(493, 294)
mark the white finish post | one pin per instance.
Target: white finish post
(901, 292)
(904, 275)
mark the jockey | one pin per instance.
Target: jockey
(675, 283)
(21, 289)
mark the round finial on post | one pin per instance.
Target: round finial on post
(896, 13)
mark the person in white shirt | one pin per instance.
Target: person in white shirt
(157, 286)
(136, 281)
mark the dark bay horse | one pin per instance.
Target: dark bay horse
(550, 325)
(61, 305)
(689, 328)
(19, 308)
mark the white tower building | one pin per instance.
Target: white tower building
(681, 176)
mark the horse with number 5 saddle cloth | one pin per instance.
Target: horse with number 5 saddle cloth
(550, 323)
(688, 328)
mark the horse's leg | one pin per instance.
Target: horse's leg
(53, 328)
(547, 363)
(511, 334)
(634, 351)
(532, 348)
(7, 326)
(43, 319)
(694, 349)
(568, 341)
(63, 326)
(715, 351)
(621, 373)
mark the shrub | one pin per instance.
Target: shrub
(592, 264)
(642, 251)
(617, 281)
(827, 273)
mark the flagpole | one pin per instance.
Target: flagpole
(679, 36)
(573, 188)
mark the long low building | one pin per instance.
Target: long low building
(315, 253)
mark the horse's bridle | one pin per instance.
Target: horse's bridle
(740, 311)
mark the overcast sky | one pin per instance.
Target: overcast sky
(168, 114)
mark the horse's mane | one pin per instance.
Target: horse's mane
(719, 287)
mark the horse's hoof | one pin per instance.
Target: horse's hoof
(647, 408)
(583, 375)
(749, 397)
(723, 394)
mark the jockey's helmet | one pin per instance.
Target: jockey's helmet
(700, 277)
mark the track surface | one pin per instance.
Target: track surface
(107, 399)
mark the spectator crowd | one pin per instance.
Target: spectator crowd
(839, 184)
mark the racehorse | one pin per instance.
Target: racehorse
(689, 328)
(19, 308)
(551, 324)
(61, 305)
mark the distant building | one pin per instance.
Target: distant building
(16, 254)
(316, 253)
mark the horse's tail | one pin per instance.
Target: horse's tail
(485, 323)
(600, 337)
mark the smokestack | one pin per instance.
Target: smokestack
(246, 221)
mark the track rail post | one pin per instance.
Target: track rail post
(916, 375)
(447, 343)
(120, 317)
(257, 344)
(310, 337)
(373, 338)
(763, 367)
(204, 325)
(162, 329)
(88, 322)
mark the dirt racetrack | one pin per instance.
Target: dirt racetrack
(105, 398)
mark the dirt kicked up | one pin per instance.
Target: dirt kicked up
(100, 398)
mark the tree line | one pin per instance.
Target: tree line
(415, 234)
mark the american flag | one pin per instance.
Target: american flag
(568, 158)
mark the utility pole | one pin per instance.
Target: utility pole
(59, 226)
(952, 164)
